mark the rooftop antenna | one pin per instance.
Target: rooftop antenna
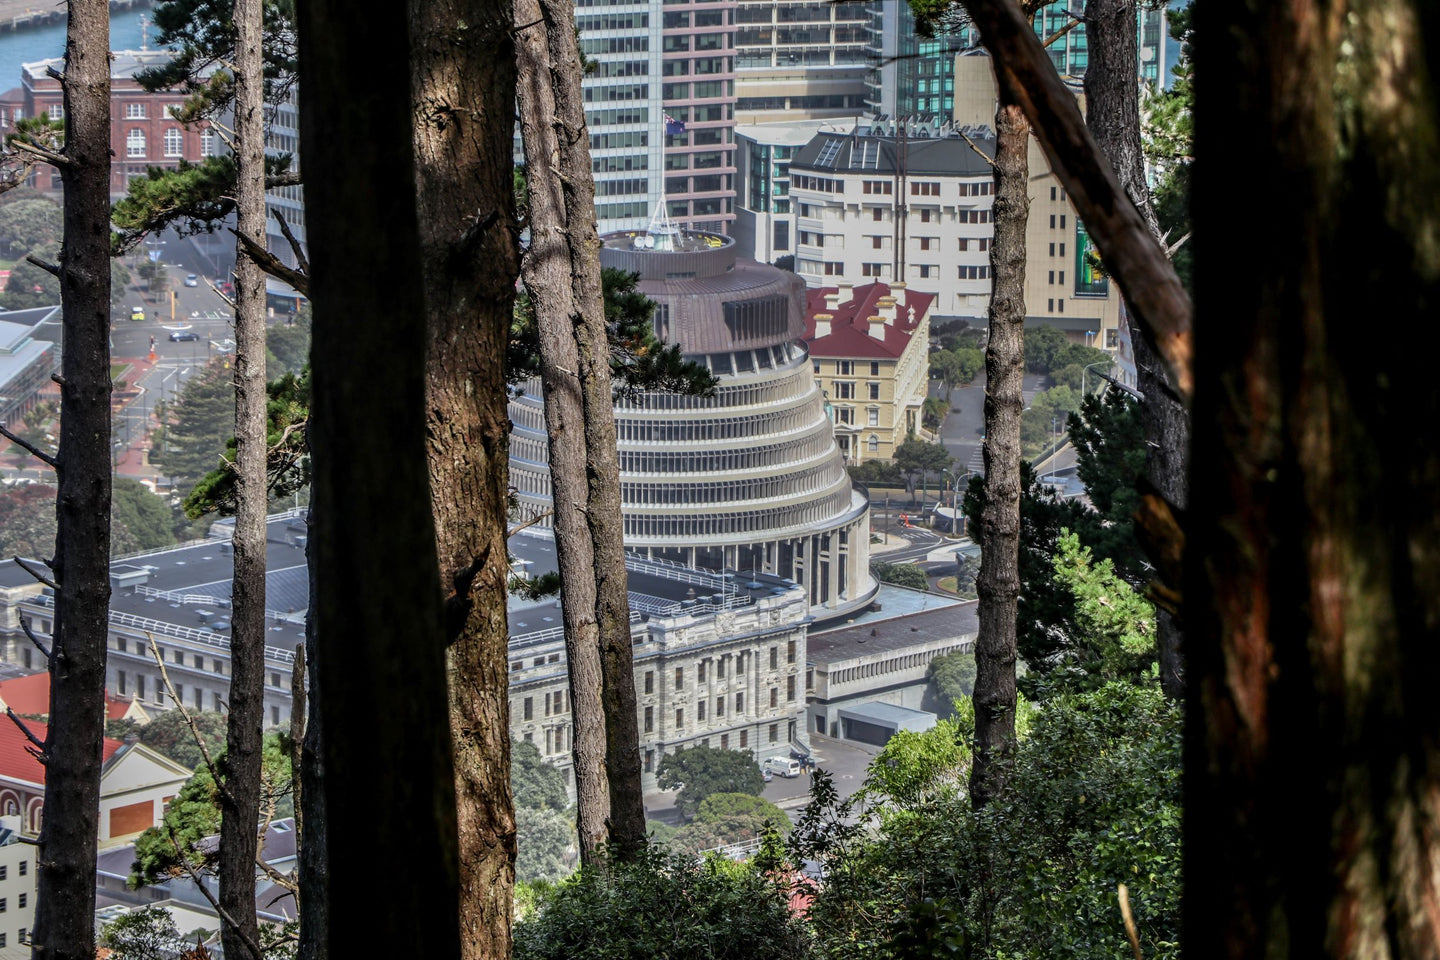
(144, 32)
(661, 231)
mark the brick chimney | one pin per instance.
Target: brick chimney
(822, 324)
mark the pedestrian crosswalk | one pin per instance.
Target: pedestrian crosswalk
(976, 463)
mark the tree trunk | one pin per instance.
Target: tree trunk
(310, 803)
(240, 767)
(998, 583)
(463, 94)
(1113, 115)
(65, 882)
(388, 787)
(1312, 786)
(562, 272)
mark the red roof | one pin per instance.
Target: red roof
(30, 696)
(850, 322)
(16, 762)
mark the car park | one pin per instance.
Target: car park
(183, 335)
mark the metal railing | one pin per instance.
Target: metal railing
(176, 632)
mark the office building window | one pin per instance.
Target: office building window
(207, 143)
(724, 741)
(789, 689)
(679, 678)
(774, 658)
(874, 389)
(649, 719)
(774, 697)
(874, 368)
(649, 761)
(790, 652)
(739, 703)
(874, 443)
(720, 667)
(528, 708)
(679, 719)
(134, 111)
(700, 710)
(744, 742)
(135, 144)
(719, 707)
(872, 415)
(774, 732)
(174, 142)
(700, 667)
(649, 681)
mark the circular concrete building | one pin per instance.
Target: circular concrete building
(749, 479)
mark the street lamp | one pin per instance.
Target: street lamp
(1085, 373)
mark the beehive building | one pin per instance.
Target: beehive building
(749, 479)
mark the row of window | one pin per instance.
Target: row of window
(800, 181)
(617, 115)
(802, 416)
(596, 93)
(845, 390)
(622, 138)
(803, 13)
(136, 146)
(729, 491)
(752, 522)
(909, 661)
(699, 90)
(846, 415)
(715, 461)
(612, 21)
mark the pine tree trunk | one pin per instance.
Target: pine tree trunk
(313, 864)
(603, 516)
(1312, 786)
(1113, 115)
(65, 881)
(998, 583)
(388, 787)
(240, 767)
(562, 273)
(463, 93)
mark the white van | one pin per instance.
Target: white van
(784, 767)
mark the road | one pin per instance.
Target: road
(964, 428)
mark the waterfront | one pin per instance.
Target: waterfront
(28, 44)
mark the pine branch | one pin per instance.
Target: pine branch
(300, 258)
(37, 743)
(272, 264)
(29, 632)
(189, 720)
(282, 180)
(51, 268)
(251, 947)
(25, 565)
(49, 156)
(528, 523)
(977, 149)
(34, 450)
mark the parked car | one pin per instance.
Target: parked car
(786, 767)
(192, 281)
(183, 335)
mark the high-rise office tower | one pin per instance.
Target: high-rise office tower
(911, 75)
(800, 59)
(660, 107)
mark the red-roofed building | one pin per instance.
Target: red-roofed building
(870, 349)
(30, 697)
(135, 784)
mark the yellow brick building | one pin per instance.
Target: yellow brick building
(870, 349)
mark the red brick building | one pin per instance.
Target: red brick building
(143, 131)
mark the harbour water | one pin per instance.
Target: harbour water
(29, 44)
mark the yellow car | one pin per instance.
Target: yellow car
(137, 313)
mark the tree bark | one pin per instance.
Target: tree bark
(1112, 101)
(65, 881)
(1312, 772)
(463, 98)
(240, 767)
(312, 859)
(562, 272)
(388, 788)
(998, 583)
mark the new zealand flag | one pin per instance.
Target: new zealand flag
(673, 127)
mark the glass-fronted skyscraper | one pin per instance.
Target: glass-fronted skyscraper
(749, 479)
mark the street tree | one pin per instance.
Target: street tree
(462, 92)
(950, 677)
(916, 459)
(1043, 346)
(900, 574)
(28, 224)
(956, 368)
(170, 734)
(562, 272)
(139, 519)
(534, 782)
(700, 771)
(376, 620)
(195, 427)
(32, 286)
